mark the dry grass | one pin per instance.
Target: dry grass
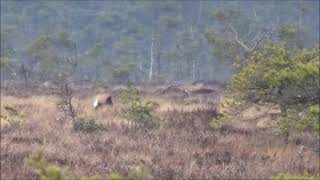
(184, 147)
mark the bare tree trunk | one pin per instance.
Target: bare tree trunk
(193, 58)
(158, 56)
(151, 59)
(300, 22)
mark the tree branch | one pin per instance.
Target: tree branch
(237, 39)
(256, 41)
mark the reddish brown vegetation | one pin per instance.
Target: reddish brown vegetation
(184, 147)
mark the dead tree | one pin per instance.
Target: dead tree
(254, 44)
(150, 78)
(65, 94)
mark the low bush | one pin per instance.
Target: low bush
(39, 165)
(140, 173)
(290, 177)
(46, 172)
(87, 125)
(115, 177)
(102, 85)
(140, 113)
(306, 120)
(11, 117)
(217, 121)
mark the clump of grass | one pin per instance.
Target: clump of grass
(307, 120)
(115, 177)
(140, 173)
(46, 172)
(290, 177)
(218, 121)
(11, 117)
(87, 125)
(102, 85)
(40, 166)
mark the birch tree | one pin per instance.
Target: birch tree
(150, 78)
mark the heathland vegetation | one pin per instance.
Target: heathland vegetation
(200, 90)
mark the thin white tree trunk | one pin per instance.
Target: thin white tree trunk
(193, 58)
(300, 20)
(151, 60)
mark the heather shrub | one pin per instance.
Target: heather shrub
(90, 178)
(87, 125)
(140, 173)
(39, 165)
(306, 120)
(11, 117)
(115, 177)
(217, 121)
(102, 85)
(227, 105)
(290, 177)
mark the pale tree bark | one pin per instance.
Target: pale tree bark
(151, 59)
(158, 55)
(193, 58)
(252, 45)
(300, 19)
(194, 61)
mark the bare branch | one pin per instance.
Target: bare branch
(237, 39)
(256, 41)
(261, 37)
(65, 95)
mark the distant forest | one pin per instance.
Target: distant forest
(139, 41)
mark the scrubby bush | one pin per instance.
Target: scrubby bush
(140, 173)
(290, 177)
(141, 113)
(11, 117)
(305, 120)
(227, 106)
(103, 85)
(87, 125)
(65, 94)
(115, 177)
(46, 172)
(90, 178)
(217, 121)
(126, 95)
(39, 165)
(283, 77)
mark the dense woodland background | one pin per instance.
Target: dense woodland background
(116, 41)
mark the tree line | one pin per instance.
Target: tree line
(131, 42)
